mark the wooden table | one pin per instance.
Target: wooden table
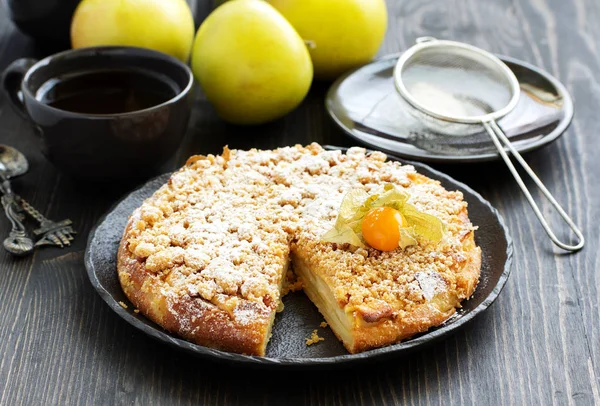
(538, 344)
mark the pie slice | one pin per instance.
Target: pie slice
(372, 298)
(206, 256)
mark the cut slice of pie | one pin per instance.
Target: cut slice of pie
(205, 257)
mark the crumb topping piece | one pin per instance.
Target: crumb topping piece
(314, 338)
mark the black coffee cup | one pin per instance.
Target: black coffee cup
(103, 135)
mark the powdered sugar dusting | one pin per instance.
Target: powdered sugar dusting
(431, 283)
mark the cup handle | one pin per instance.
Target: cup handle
(11, 83)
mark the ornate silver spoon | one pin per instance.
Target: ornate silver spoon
(13, 163)
(52, 233)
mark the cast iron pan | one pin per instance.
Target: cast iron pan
(287, 345)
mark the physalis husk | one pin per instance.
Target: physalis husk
(357, 203)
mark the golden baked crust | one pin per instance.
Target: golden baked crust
(206, 255)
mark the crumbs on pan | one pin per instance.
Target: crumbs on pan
(136, 311)
(123, 305)
(314, 338)
(323, 324)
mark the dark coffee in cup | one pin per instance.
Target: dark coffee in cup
(114, 91)
(107, 112)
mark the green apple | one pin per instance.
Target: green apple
(343, 34)
(162, 25)
(251, 63)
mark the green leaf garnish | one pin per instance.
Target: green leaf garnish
(357, 203)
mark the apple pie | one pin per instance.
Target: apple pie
(207, 255)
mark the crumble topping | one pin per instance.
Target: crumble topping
(223, 226)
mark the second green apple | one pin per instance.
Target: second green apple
(251, 63)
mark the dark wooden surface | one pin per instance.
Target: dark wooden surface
(539, 344)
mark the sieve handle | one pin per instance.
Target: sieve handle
(497, 134)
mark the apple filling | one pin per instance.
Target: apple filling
(321, 295)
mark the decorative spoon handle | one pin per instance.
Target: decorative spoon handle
(17, 242)
(32, 211)
(53, 233)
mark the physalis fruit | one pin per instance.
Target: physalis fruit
(382, 221)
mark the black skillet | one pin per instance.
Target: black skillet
(287, 346)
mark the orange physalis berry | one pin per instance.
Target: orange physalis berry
(381, 228)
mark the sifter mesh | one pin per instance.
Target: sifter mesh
(453, 86)
(457, 83)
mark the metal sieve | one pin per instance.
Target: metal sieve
(458, 89)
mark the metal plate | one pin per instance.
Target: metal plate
(366, 105)
(300, 317)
